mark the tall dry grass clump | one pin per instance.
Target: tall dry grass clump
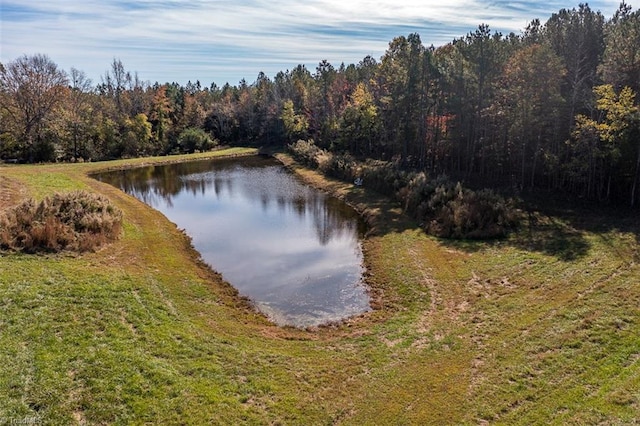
(76, 221)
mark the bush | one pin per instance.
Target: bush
(455, 212)
(77, 221)
(195, 139)
(306, 152)
(444, 209)
(383, 176)
(341, 166)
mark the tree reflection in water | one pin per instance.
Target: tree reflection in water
(254, 223)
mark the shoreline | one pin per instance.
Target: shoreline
(356, 198)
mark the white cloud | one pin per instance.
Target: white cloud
(172, 40)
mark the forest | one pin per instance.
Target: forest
(551, 109)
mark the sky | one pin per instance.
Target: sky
(219, 41)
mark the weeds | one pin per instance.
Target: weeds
(76, 221)
(445, 209)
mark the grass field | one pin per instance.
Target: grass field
(540, 328)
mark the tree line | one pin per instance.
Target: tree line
(552, 108)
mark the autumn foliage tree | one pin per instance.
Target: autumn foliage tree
(32, 86)
(550, 109)
(607, 150)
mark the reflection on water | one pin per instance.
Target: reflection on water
(291, 249)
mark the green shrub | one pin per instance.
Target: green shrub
(77, 221)
(341, 166)
(383, 176)
(306, 152)
(195, 139)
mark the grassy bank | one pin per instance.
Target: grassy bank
(541, 328)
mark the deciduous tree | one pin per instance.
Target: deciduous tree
(32, 87)
(79, 110)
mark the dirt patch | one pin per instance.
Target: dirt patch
(11, 192)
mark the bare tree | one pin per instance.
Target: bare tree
(31, 87)
(116, 83)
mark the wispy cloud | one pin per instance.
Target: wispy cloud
(175, 40)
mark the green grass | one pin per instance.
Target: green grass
(541, 328)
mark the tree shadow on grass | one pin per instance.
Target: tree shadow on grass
(553, 233)
(552, 226)
(553, 236)
(382, 215)
(560, 229)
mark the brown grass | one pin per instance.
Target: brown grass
(11, 192)
(77, 221)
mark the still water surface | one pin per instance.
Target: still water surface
(294, 251)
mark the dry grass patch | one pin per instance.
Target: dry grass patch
(76, 221)
(10, 192)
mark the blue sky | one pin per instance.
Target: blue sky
(224, 41)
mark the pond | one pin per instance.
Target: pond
(292, 250)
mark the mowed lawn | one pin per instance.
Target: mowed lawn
(539, 328)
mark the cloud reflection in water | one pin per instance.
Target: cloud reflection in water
(292, 250)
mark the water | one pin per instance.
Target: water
(292, 250)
